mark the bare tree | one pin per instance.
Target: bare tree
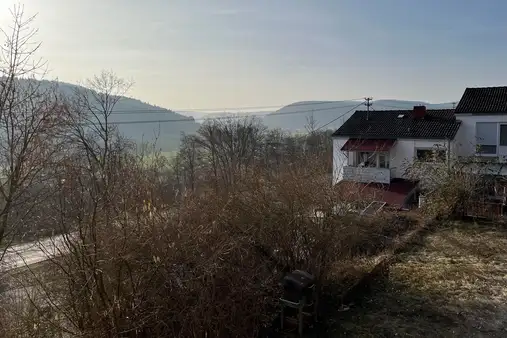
(311, 124)
(31, 124)
(92, 109)
(95, 192)
(232, 145)
(190, 157)
(177, 175)
(274, 150)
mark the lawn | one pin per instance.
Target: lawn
(453, 284)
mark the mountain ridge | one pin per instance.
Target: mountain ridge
(139, 120)
(332, 114)
(145, 122)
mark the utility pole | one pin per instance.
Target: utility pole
(368, 105)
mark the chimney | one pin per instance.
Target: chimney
(419, 112)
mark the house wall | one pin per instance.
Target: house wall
(404, 151)
(340, 158)
(466, 138)
(401, 155)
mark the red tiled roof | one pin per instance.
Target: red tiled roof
(354, 144)
(393, 194)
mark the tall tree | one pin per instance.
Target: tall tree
(31, 125)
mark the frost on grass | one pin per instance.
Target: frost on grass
(453, 284)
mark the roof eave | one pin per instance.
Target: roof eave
(482, 113)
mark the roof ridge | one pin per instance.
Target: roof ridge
(441, 124)
(487, 87)
(408, 109)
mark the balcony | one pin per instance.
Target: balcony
(367, 174)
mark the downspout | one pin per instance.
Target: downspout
(449, 155)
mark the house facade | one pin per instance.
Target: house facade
(374, 149)
(483, 116)
(377, 147)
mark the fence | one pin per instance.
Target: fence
(484, 209)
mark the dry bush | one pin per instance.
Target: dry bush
(447, 187)
(25, 309)
(208, 266)
(282, 212)
(164, 273)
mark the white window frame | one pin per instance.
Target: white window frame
(478, 142)
(377, 154)
(478, 153)
(387, 160)
(500, 136)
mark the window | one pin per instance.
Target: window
(373, 159)
(424, 154)
(431, 155)
(486, 134)
(486, 149)
(383, 160)
(367, 159)
(503, 134)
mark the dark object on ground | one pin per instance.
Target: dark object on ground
(299, 301)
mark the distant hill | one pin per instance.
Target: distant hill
(202, 116)
(400, 104)
(147, 121)
(295, 117)
(165, 124)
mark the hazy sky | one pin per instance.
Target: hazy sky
(211, 53)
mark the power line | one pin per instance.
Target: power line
(339, 117)
(402, 107)
(390, 106)
(210, 110)
(228, 117)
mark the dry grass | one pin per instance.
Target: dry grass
(454, 284)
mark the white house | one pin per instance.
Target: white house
(376, 147)
(483, 116)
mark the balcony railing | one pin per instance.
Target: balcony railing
(367, 174)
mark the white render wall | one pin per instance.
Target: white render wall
(340, 158)
(401, 155)
(466, 140)
(404, 151)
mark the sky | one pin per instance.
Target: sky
(207, 54)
